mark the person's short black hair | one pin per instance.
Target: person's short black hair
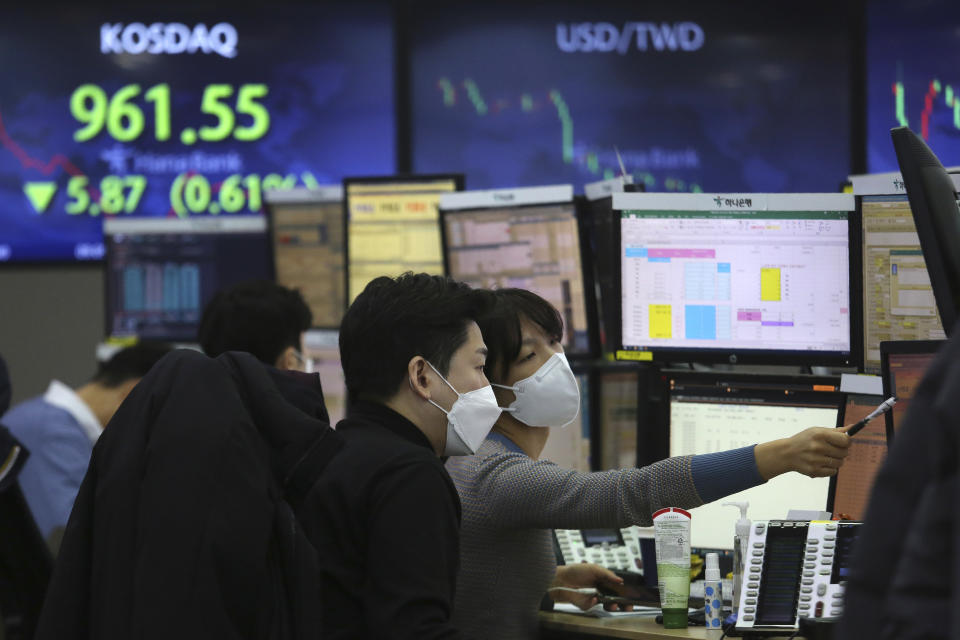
(500, 327)
(395, 319)
(260, 317)
(130, 363)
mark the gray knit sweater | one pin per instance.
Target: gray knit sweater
(510, 504)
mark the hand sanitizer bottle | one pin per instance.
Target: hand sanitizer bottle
(741, 539)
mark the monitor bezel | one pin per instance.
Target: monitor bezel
(597, 205)
(507, 202)
(304, 196)
(668, 355)
(855, 267)
(901, 347)
(801, 383)
(588, 265)
(399, 178)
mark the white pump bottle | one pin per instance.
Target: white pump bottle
(741, 539)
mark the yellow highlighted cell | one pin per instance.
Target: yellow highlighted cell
(661, 321)
(770, 284)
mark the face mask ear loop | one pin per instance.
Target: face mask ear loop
(430, 400)
(442, 378)
(503, 386)
(438, 406)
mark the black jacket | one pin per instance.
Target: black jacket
(12, 457)
(385, 522)
(6, 390)
(183, 526)
(903, 578)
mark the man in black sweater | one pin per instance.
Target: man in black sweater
(385, 516)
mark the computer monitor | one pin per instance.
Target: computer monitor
(898, 301)
(711, 412)
(306, 231)
(392, 226)
(850, 488)
(321, 351)
(161, 272)
(569, 447)
(933, 200)
(616, 414)
(903, 365)
(736, 278)
(526, 238)
(602, 228)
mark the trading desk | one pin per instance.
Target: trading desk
(566, 626)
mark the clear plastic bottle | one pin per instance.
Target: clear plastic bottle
(741, 539)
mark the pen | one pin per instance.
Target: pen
(885, 406)
(587, 591)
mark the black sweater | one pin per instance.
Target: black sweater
(384, 519)
(903, 577)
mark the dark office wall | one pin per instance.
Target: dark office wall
(51, 319)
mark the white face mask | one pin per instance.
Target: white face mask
(548, 398)
(469, 420)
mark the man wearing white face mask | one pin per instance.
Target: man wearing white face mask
(385, 516)
(511, 499)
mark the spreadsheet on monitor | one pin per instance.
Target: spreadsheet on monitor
(898, 301)
(393, 227)
(534, 247)
(308, 248)
(700, 425)
(764, 279)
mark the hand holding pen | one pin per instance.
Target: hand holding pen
(885, 406)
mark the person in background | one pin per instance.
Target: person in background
(267, 321)
(260, 317)
(384, 517)
(512, 500)
(60, 428)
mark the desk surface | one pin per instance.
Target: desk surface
(630, 627)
